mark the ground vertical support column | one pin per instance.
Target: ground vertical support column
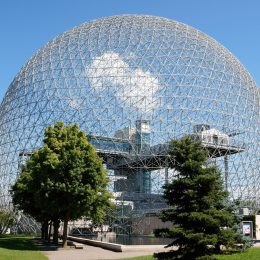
(257, 227)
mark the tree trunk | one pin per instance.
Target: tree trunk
(65, 231)
(49, 235)
(45, 230)
(56, 225)
(42, 231)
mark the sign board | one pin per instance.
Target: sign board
(247, 228)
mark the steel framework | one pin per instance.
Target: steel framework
(133, 83)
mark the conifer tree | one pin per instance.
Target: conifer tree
(202, 220)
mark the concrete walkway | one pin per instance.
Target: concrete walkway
(90, 253)
(87, 253)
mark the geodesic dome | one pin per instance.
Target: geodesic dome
(133, 83)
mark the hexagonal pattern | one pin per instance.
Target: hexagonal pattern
(133, 83)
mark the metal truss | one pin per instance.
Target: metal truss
(133, 83)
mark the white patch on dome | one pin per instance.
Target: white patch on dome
(134, 86)
(73, 103)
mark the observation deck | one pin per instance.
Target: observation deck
(119, 153)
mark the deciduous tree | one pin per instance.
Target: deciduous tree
(66, 179)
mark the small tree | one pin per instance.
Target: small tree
(66, 178)
(6, 220)
(200, 213)
(23, 195)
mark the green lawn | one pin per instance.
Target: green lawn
(251, 254)
(19, 248)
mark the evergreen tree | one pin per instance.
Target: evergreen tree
(64, 179)
(202, 219)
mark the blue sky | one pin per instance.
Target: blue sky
(26, 25)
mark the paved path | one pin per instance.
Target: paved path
(87, 253)
(90, 253)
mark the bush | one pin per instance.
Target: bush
(6, 220)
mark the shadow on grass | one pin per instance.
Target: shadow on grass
(44, 246)
(17, 243)
(22, 243)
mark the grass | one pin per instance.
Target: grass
(251, 254)
(17, 247)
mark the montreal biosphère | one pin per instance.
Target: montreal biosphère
(133, 83)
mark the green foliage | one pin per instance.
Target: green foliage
(6, 220)
(202, 216)
(64, 179)
(161, 232)
(245, 241)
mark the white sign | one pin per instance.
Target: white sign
(246, 229)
